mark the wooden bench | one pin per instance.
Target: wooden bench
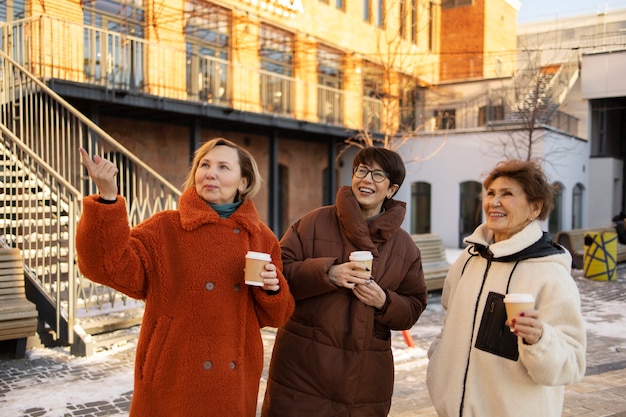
(574, 242)
(434, 261)
(18, 316)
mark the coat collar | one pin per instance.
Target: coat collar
(483, 236)
(364, 235)
(195, 212)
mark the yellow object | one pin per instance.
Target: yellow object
(600, 256)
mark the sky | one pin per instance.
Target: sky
(538, 10)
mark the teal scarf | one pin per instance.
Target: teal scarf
(225, 210)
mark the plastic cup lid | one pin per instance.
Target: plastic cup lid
(361, 255)
(519, 298)
(259, 255)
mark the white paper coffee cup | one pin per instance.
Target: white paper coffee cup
(515, 303)
(363, 256)
(255, 264)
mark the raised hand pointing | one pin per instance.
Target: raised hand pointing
(103, 172)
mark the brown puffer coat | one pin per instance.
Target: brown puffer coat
(333, 357)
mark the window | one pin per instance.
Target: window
(381, 14)
(340, 4)
(414, 21)
(12, 10)
(471, 208)
(207, 31)
(372, 96)
(409, 96)
(277, 67)
(490, 113)
(431, 25)
(367, 11)
(420, 207)
(445, 119)
(577, 206)
(449, 4)
(402, 25)
(555, 220)
(330, 70)
(113, 55)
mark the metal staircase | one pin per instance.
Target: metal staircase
(42, 184)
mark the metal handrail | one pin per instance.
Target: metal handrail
(42, 133)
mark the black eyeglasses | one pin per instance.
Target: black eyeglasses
(378, 175)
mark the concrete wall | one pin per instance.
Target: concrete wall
(605, 185)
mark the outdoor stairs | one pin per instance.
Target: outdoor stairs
(44, 244)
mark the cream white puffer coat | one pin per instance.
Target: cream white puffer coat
(468, 382)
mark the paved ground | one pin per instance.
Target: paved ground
(601, 393)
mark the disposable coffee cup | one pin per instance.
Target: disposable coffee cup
(255, 264)
(363, 256)
(515, 303)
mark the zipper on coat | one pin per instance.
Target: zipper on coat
(482, 286)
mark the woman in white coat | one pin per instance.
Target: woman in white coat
(482, 364)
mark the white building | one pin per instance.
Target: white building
(570, 81)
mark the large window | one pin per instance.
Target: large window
(115, 56)
(577, 206)
(414, 21)
(420, 207)
(11, 10)
(277, 68)
(555, 221)
(381, 14)
(330, 70)
(471, 208)
(373, 93)
(207, 32)
(408, 104)
(367, 11)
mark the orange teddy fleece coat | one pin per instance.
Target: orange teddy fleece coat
(200, 351)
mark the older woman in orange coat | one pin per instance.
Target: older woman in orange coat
(200, 351)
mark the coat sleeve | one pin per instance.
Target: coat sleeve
(274, 308)
(106, 253)
(307, 277)
(559, 356)
(405, 303)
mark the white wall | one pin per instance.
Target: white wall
(605, 185)
(603, 75)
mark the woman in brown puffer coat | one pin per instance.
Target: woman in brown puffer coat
(333, 357)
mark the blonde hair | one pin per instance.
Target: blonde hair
(249, 169)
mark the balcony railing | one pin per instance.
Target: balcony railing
(603, 43)
(52, 48)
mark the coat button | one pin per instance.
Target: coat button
(236, 230)
(237, 287)
(209, 286)
(232, 365)
(208, 365)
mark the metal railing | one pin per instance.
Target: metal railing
(41, 137)
(603, 43)
(53, 48)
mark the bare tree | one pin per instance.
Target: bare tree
(392, 88)
(532, 101)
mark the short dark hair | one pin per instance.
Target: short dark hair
(388, 160)
(532, 179)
